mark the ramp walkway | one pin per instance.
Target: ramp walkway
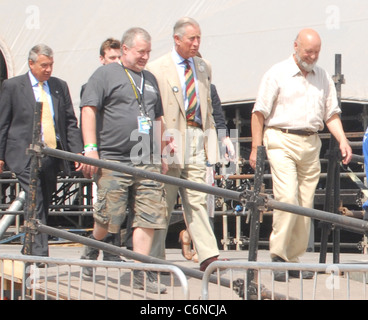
(62, 279)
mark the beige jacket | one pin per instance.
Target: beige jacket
(168, 80)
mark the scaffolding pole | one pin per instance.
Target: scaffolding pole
(245, 197)
(119, 167)
(30, 213)
(332, 199)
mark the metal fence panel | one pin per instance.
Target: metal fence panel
(330, 281)
(61, 279)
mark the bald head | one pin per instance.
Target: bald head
(309, 37)
(307, 46)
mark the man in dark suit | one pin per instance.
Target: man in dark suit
(17, 106)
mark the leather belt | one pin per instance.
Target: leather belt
(193, 124)
(298, 132)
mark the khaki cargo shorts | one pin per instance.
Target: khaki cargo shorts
(117, 190)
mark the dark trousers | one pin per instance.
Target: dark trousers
(46, 186)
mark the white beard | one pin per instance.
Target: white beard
(308, 67)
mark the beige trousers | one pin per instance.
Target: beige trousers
(194, 202)
(295, 168)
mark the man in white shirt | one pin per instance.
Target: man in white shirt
(295, 99)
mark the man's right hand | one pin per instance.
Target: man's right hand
(88, 170)
(257, 124)
(253, 158)
(2, 164)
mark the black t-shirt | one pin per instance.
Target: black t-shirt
(110, 90)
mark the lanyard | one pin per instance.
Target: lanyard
(134, 86)
(139, 97)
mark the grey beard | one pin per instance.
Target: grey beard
(308, 67)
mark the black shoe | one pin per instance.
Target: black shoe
(111, 257)
(277, 259)
(279, 275)
(113, 239)
(148, 283)
(305, 274)
(89, 253)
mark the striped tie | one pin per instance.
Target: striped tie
(47, 120)
(190, 91)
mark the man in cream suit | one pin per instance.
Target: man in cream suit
(195, 137)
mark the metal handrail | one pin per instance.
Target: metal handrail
(160, 268)
(260, 290)
(243, 197)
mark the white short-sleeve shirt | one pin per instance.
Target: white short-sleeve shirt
(289, 100)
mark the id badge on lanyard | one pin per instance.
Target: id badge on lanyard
(144, 122)
(144, 125)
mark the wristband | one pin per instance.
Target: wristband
(88, 149)
(92, 145)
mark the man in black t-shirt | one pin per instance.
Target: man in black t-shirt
(121, 119)
(110, 52)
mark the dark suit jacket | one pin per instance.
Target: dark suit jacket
(218, 113)
(17, 105)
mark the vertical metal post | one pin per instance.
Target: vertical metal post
(332, 198)
(339, 80)
(225, 231)
(254, 213)
(238, 232)
(237, 183)
(30, 213)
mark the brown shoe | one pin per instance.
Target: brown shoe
(203, 266)
(185, 241)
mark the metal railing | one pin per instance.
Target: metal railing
(330, 281)
(248, 198)
(253, 200)
(61, 279)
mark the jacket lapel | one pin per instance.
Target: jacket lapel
(27, 90)
(55, 96)
(174, 82)
(203, 85)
